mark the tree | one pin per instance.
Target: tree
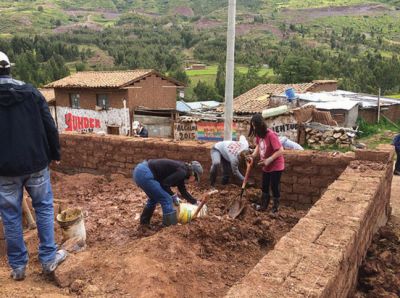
(204, 91)
(297, 69)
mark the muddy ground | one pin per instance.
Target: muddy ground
(204, 258)
(379, 275)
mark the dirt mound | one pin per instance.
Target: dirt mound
(379, 275)
(184, 11)
(205, 257)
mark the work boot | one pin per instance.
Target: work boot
(265, 198)
(170, 219)
(275, 207)
(146, 215)
(18, 274)
(49, 268)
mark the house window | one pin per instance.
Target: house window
(74, 100)
(102, 101)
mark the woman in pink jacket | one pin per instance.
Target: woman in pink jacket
(270, 150)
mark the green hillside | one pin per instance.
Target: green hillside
(353, 41)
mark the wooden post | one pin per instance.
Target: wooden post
(379, 105)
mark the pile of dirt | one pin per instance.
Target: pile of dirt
(203, 258)
(379, 275)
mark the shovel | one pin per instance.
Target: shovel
(237, 206)
(203, 202)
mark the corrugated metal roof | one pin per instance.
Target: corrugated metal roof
(196, 105)
(182, 106)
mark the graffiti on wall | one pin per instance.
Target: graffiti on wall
(185, 131)
(285, 125)
(75, 123)
(69, 119)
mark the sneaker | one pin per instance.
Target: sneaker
(61, 255)
(18, 273)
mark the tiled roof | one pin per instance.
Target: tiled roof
(257, 99)
(48, 94)
(105, 79)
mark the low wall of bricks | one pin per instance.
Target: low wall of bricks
(320, 256)
(307, 175)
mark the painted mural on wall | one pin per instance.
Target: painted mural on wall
(69, 119)
(213, 131)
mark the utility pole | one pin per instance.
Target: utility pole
(230, 69)
(379, 105)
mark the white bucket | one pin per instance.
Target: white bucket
(186, 212)
(72, 224)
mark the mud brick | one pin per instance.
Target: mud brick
(306, 170)
(328, 171)
(373, 155)
(307, 230)
(346, 186)
(288, 178)
(304, 199)
(306, 190)
(303, 180)
(321, 182)
(290, 158)
(120, 158)
(291, 197)
(286, 187)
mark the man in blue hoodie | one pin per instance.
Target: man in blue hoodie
(29, 142)
(396, 144)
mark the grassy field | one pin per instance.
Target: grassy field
(397, 96)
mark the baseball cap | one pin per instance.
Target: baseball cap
(135, 124)
(4, 61)
(197, 169)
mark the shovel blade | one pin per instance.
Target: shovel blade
(236, 208)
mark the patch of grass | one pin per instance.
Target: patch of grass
(368, 130)
(396, 96)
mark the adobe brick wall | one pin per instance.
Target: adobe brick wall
(370, 115)
(307, 175)
(320, 256)
(88, 97)
(153, 92)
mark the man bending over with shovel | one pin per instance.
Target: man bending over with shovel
(156, 177)
(227, 153)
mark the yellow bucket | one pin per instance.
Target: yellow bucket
(186, 212)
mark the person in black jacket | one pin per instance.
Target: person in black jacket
(29, 142)
(156, 177)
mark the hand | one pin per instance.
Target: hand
(265, 162)
(249, 161)
(176, 200)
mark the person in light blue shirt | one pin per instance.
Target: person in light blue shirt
(289, 144)
(396, 144)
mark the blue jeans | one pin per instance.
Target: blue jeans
(11, 193)
(397, 166)
(144, 178)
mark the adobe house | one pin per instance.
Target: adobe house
(92, 96)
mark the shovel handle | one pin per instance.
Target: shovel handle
(28, 215)
(203, 202)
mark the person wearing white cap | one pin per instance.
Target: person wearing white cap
(139, 130)
(29, 141)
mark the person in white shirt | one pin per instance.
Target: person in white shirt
(227, 154)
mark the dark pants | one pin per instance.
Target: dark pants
(216, 161)
(397, 167)
(273, 180)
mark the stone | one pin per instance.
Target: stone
(337, 135)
